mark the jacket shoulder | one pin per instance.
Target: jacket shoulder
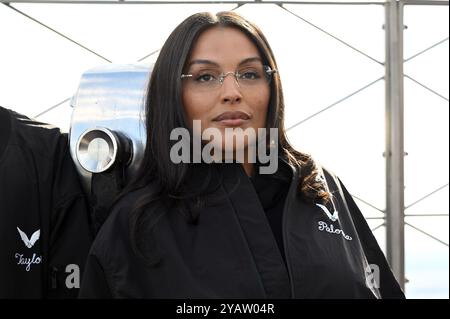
(41, 138)
(117, 225)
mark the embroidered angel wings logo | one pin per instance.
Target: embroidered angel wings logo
(333, 217)
(29, 242)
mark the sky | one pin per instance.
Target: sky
(331, 63)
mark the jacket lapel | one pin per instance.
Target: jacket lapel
(256, 230)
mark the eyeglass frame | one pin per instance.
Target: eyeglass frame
(267, 69)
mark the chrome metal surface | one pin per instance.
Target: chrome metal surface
(108, 105)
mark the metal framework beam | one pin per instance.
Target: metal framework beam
(425, 2)
(240, 2)
(395, 206)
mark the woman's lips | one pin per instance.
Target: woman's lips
(232, 122)
(235, 118)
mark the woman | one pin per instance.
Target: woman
(213, 229)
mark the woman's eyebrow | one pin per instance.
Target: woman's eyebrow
(252, 59)
(205, 61)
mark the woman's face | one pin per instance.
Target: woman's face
(231, 104)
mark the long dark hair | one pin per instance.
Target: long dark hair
(165, 112)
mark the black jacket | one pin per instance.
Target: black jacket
(45, 234)
(232, 252)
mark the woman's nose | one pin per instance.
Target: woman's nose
(230, 90)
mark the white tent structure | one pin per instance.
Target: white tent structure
(372, 74)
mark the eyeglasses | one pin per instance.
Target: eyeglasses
(248, 77)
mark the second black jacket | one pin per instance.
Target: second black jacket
(45, 232)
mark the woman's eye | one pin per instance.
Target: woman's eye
(205, 78)
(250, 75)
